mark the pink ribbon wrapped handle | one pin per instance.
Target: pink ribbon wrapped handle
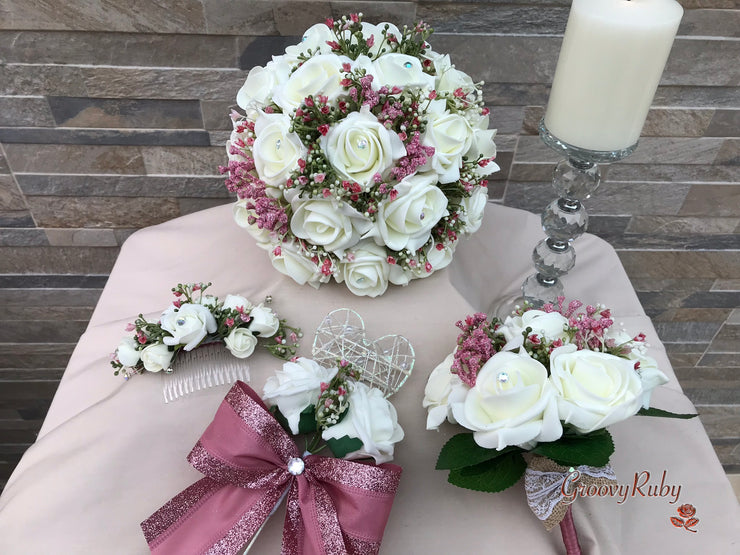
(333, 505)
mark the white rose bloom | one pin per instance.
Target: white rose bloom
(242, 216)
(359, 146)
(401, 70)
(263, 321)
(261, 83)
(313, 39)
(276, 150)
(292, 262)
(483, 145)
(368, 271)
(208, 300)
(320, 75)
(549, 326)
(512, 403)
(450, 79)
(594, 389)
(296, 387)
(649, 374)
(156, 357)
(333, 224)
(439, 259)
(443, 387)
(474, 206)
(127, 353)
(240, 342)
(406, 222)
(372, 419)
(232, 302)
(451, 136)
(376, 31)
(188, 325)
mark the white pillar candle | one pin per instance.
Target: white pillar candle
(610, 64)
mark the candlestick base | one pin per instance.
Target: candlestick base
(565, 219)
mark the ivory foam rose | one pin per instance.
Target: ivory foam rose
(188, 324)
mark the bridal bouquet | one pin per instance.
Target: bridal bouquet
(194, 319)
(545, 384)
(362, 155)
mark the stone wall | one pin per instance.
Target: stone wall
(113, 116)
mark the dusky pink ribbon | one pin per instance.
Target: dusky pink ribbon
(333, 506)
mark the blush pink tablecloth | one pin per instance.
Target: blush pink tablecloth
(112, 452)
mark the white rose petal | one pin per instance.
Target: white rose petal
(358, 147)
(291, 260)
(451, 136)
(373, 420)
(156, 357)
(549, 326)
(263, 321)
(232, 302)
(649, 374)
(512, 403)
(442, 388)
(242, 217)
(188, 325)
(240, 342)
(313, 39)
(127, 353)
(376, 31)
(296, 387)
(319, 75)
(474, 207)
(594, 389)
(368, 271)
(401, 70)
(276, 150)
(260, 84)
(406, 222)
(333, 224)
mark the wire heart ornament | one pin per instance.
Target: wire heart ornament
(387, 362)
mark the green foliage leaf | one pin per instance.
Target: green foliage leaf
(574, 449)
(462, 451)
(345, 444)
(664, 413)
(492, 475)
(307, 421)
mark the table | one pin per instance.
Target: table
(112, 452)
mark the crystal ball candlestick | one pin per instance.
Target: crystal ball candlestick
(565, 219)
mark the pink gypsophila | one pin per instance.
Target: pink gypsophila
(474, 348)
(416, 156)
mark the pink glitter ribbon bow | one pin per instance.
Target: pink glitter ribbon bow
(333, 505)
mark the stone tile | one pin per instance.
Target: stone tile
(219, 138)
(727, 340)
(23, 79)
(10, 196)
(52, 332)
(725, 123)
(4, 169)
(658, 302)
(684, 285)
(488, 58)
(607, 226)
(31, 356)
(496, 93)
(216, 114)
(712, 23)
(697, 96)
(234, 17)
(463, 17)
(532, 117)
(50, 135)
(727, 242)
(506, 119)
(257, 51)
(710, 386)
(703, 62)
(667, 150)
(681, 225)
(122, 113)
(673, 264)
(290, 17)
(89, 15)
(728, 453)
(29, 158)
(24, 110)
(674, 172)
(123, 234)
(694, 315)
(14, 237)
(718, 299)
(496, 191)
(103, 212)
(683, 347)
(184, 161)
(694, 332)
(117, 49)
(124, 185)
(726, 285)
(52, 281)
(81, 237)
(60, 260)
(712, 200)
(10, 314)
(16, 218)
(722, 360)
(684, 359)
(504, 160)
(400, 13)
(677, 122)
(22, 389)
(118, 82)
(734, 317)
(729, 153)
(190, 205)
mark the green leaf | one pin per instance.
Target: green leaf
(462, 451)
(664, 413)
(280, 418)
(592, 449)
(492, 475)
(345, 444)
(307, 421)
